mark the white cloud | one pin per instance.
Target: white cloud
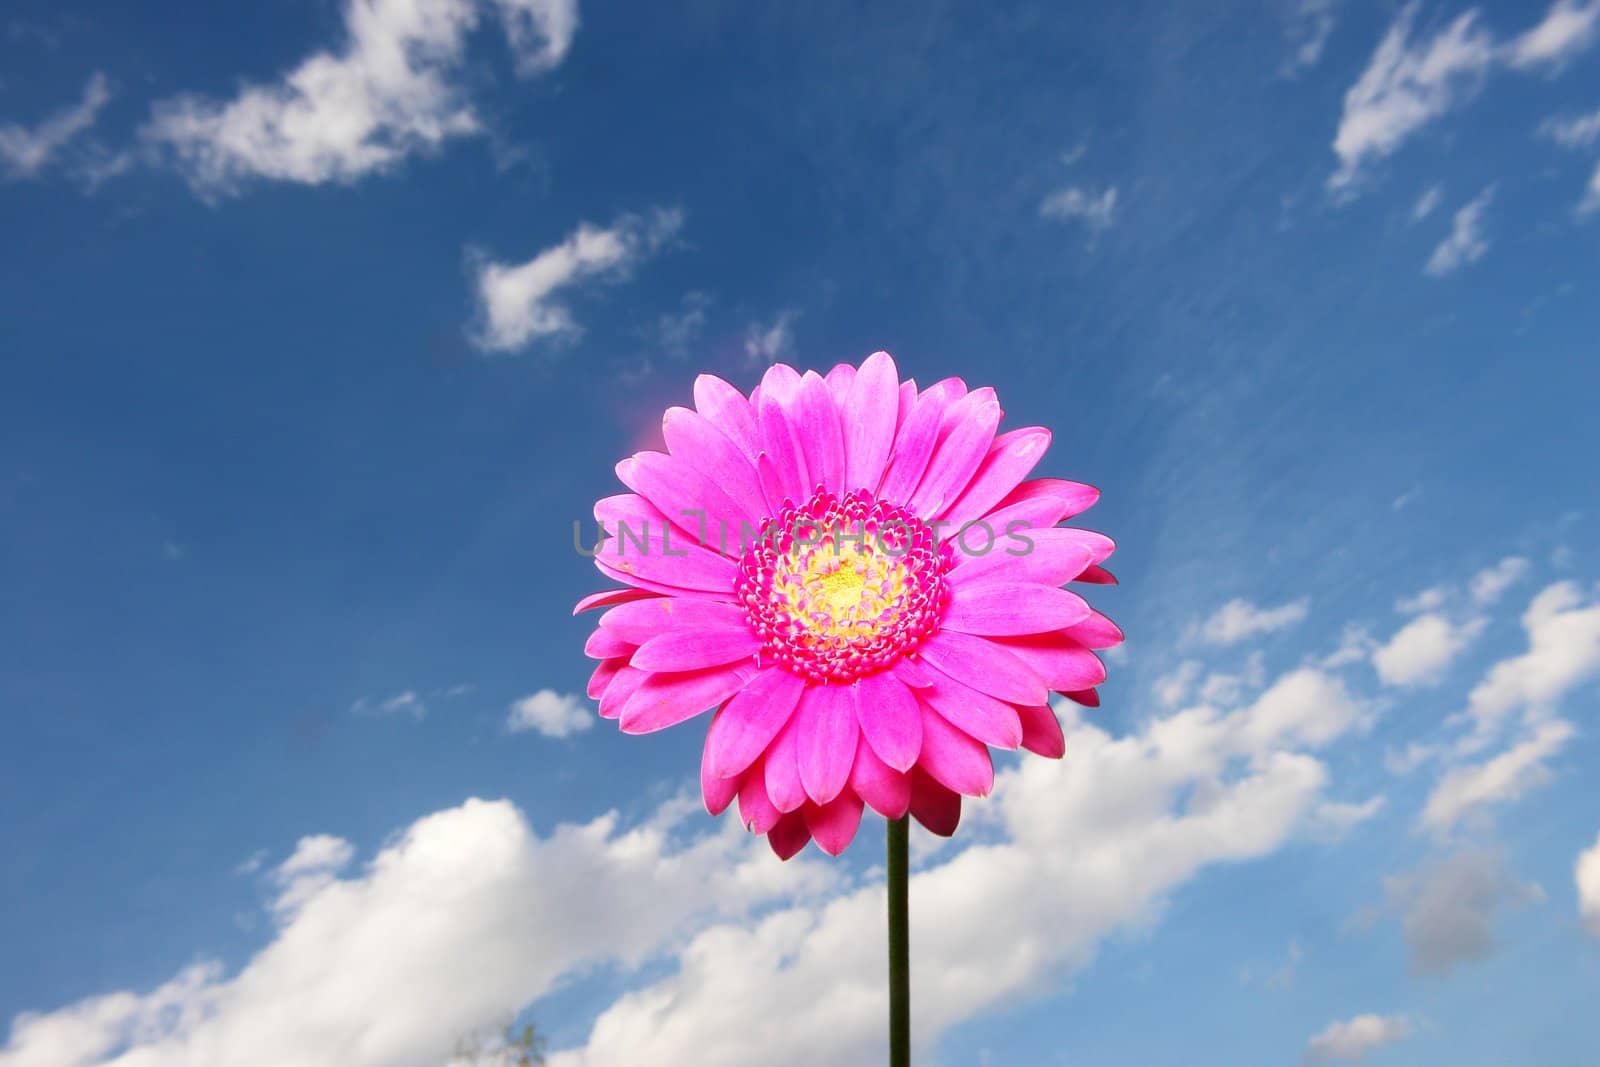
(1096, 210)
(1111, 832)
(1349, 1041)
(1578, 131)
(388, 93)
(313, 866)
(1309, 26)
(1466, 243)
(677, 331)
(1587, 875)
(1489, 583)
(451, 929)
(539, 31)
(518, 303)
(1337, 818)
(1408, 84)
(26, 151)
(1448, 908)
(1430, 599)
(1430, 198)
(1173, 689)
(406, 703)
(1421, 651)
(1568, 28)
(1591, 195)
(1239, 619)
(551, 713)
(770, 342)
(1563, 652)
(1464, 789)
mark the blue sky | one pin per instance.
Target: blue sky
(323, 320)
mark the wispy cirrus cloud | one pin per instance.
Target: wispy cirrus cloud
(1416, 76)
(1096, 210)
(27, 151)
(1587, 875)
(1466, 243)
(520, 304)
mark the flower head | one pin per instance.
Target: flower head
(862, 581)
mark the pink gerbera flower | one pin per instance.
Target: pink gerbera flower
(861, 580)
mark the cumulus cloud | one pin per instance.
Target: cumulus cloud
(550, 713)
(449, 930)
(1587, 874)
(1448, 908)
(469, 916)
(522, 303)
(1239, 619)
(1490, 583)
(25, 151)
(1110, 832)
(390, 92)
(1422, 650)
(1349, 1041)
(1073, 203)
(1466, 242)
(1568, 27)
(310, 869)
(1563, 631)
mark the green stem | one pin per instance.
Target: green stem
(899, 947)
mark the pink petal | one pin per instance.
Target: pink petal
(834, 824)
(1097, 576)
(1062, 662)
(620, 691)
(938, 809)
(783, 770)
(664, 700)
(886, 790)
(751, 720)
(816, 425)
(902, 411)
(789, 835)
(826, 738)
(985, 666)
(639, 622)
(869, 421)
(840, 378)
(1041, 503)
(692, 439)
(958, 456)
(780, 446)
(1005, 608)
(913, 672)
(979, 715)
(728, 411)
(601, 678)
(772, 485)
(1089, 698)
(642, 546)
(603, 644)
(1050, 557)
(1041, 731)
(913, 447)
(1096, 631)
(693, 650)
(689, 497)
(1011, 458)
(717, 792)
(890, 719)
(756, 809)
(954, 758)
(609, 598)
